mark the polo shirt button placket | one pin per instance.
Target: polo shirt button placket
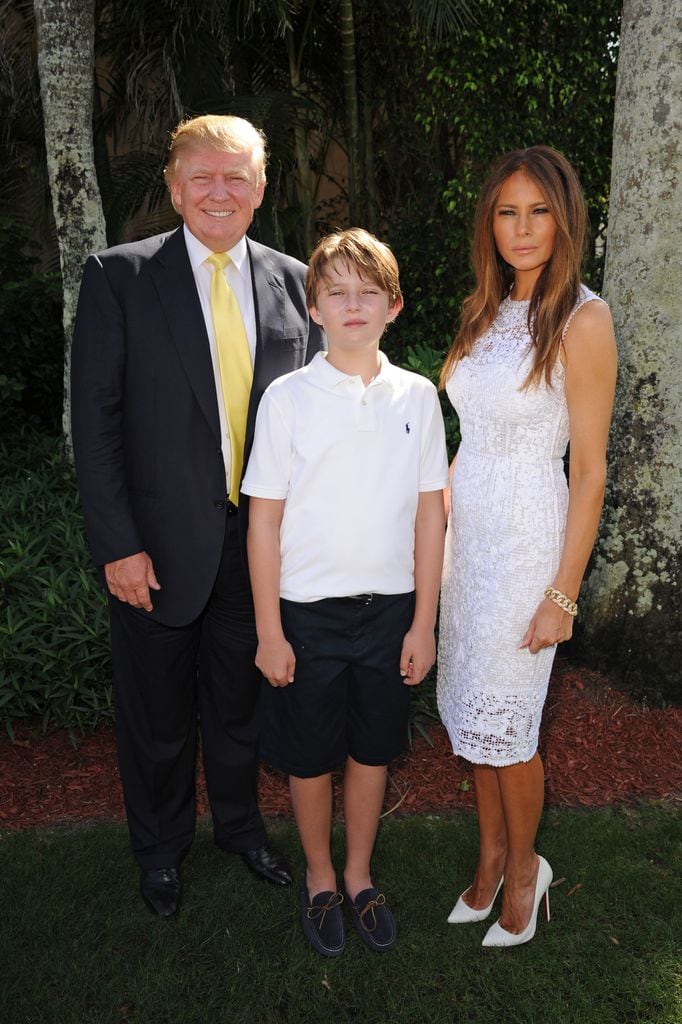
(366, 414)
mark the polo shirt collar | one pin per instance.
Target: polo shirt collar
(330, 377)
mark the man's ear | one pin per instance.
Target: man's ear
(175, 195)
(315, 315)
(258, 194)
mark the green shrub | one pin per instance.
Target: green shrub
(53, 618)
(32, 367)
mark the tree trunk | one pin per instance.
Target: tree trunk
(350, 91)
(65, 30)
(372, 206)
(305, 178)
(632, 594)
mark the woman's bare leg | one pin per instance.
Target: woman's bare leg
(522, 790)
(492, 838)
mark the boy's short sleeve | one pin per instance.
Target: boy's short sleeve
(268, 472)
(433, 469)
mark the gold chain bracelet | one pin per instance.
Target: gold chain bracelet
(562, 600)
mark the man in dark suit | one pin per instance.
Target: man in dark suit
(158, 449)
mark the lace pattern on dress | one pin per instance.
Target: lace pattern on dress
(498, 729)
(505, 536)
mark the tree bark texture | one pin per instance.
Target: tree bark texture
(350, 91)
(306, 189)
(65, 30)
(632, 595)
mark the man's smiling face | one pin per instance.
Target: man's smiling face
(216, 194)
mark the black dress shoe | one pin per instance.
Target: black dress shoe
(161, 888)
(268, 863)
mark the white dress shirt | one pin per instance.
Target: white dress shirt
(238, 274)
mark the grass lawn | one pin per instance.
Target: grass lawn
(77, 945)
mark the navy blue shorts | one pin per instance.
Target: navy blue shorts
(348, 697)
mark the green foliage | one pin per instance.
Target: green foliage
(539, 72)
(32, 335)
(25, 194)
(53, 621)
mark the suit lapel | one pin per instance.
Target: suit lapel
(174, 282)
(269, 303)
(268, 297)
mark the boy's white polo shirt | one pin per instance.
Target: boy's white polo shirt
(350, 462)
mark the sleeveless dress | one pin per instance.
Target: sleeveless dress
(504, 541)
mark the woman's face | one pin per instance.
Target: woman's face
(523, 227)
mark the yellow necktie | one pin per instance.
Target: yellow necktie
(234, 358)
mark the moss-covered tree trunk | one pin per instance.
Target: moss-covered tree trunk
(633, 620)
(65, 30)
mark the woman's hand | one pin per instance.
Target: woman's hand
(549, 626)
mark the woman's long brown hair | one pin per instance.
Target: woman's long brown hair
(557, 288)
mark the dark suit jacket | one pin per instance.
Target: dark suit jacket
(146, 429)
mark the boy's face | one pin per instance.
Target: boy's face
(352, 310)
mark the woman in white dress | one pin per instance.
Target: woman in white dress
(532, 367)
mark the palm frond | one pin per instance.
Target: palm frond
(438, 19)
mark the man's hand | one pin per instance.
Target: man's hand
(130, 579)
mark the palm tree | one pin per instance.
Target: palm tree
(436, 20)
(291, 66)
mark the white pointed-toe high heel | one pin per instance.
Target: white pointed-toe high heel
(462, 913)
(498, 936)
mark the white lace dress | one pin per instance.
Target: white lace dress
(504, 541)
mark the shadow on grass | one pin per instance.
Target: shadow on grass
(78, 947)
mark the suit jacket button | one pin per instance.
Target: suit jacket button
(220, 505)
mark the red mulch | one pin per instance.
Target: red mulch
(599, 748)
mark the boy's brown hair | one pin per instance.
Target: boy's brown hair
(360, 250)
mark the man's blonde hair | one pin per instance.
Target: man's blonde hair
(224, 133)
(356, 249)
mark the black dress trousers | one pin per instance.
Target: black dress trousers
(169, 681)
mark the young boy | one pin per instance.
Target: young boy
(345, 547)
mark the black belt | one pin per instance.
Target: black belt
(360, 598)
